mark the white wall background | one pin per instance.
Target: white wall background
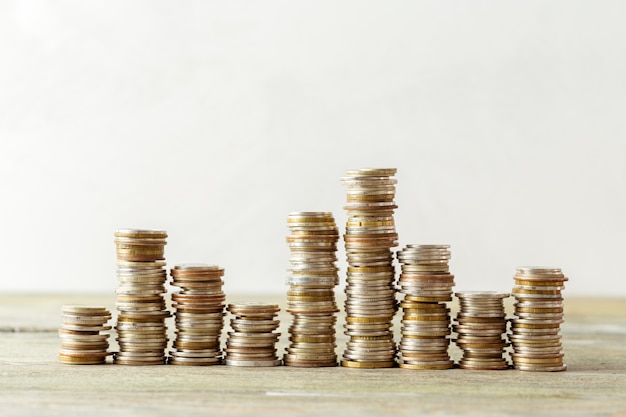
(214, 120)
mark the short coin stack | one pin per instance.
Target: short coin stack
(535, 331)
(141, 329)
(199, 314)
(370, 291)
(427, 285)
(253, 340)
(313, 276)
(480, 324)
(81, 340)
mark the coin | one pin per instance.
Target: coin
(81, 340)
(140, 293)
(199, 314)
(537, 319)
(313, 276)
(370, 235)
(249, 344)
(427, 285)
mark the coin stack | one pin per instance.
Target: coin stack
(370, 293)
(427, 284)
(81, 340)
(141, 329)
(199, 314)
(535, 330)
(253, 340)
(313, 276)
(480, 324)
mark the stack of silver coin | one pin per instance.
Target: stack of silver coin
(313, 276)
(81, 340)
(370, 291)
(252, 341)
(535, 330)
(141, 329)
(480, 324)
(199, 314)
(427, 284)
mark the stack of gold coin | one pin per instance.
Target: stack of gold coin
(313, 276)
(427, 284)
(199, 314)
(535, 331)
(81, 340)
(480, 324)
(370, 291)
(252, 341)
(141, 274)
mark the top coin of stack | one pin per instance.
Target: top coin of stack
(199, 314)
(370, 235)
(313, 276)
(536, 337)
(141, 330)
(426, 284)
(81, 341)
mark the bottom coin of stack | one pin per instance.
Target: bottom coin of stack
(427, 285)
(81, 340)
(480, 323)
(253, 340)
(535, 330)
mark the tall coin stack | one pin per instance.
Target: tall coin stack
(313, 276)
(535, 330)
(253, 340)
(480, 324)
(199, 314)
(81, 340)
(370, 293)
(427, 284)
(141, 329)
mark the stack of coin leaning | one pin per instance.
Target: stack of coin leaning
(480, 324)
(81, 340)
(313, 276)
(141, 275)
(427, 284)
(199, 314)
(535, 330)
(370, 292)
(252, 341)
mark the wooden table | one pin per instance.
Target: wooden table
(34, 383)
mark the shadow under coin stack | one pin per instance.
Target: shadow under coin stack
(81, 341)
(480, 324)
(535, 330)
(370, 292)
(313, 276)
(141, 274)
(252, 341)
(199, 314)
(427, 285)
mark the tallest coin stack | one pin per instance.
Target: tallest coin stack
(370, 235)
(141, 330)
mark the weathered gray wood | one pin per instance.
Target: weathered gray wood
(33, 383)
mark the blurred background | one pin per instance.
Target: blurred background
(215, 119)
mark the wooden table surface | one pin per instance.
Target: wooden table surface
(34, 383)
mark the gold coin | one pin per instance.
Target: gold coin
(368, 365)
